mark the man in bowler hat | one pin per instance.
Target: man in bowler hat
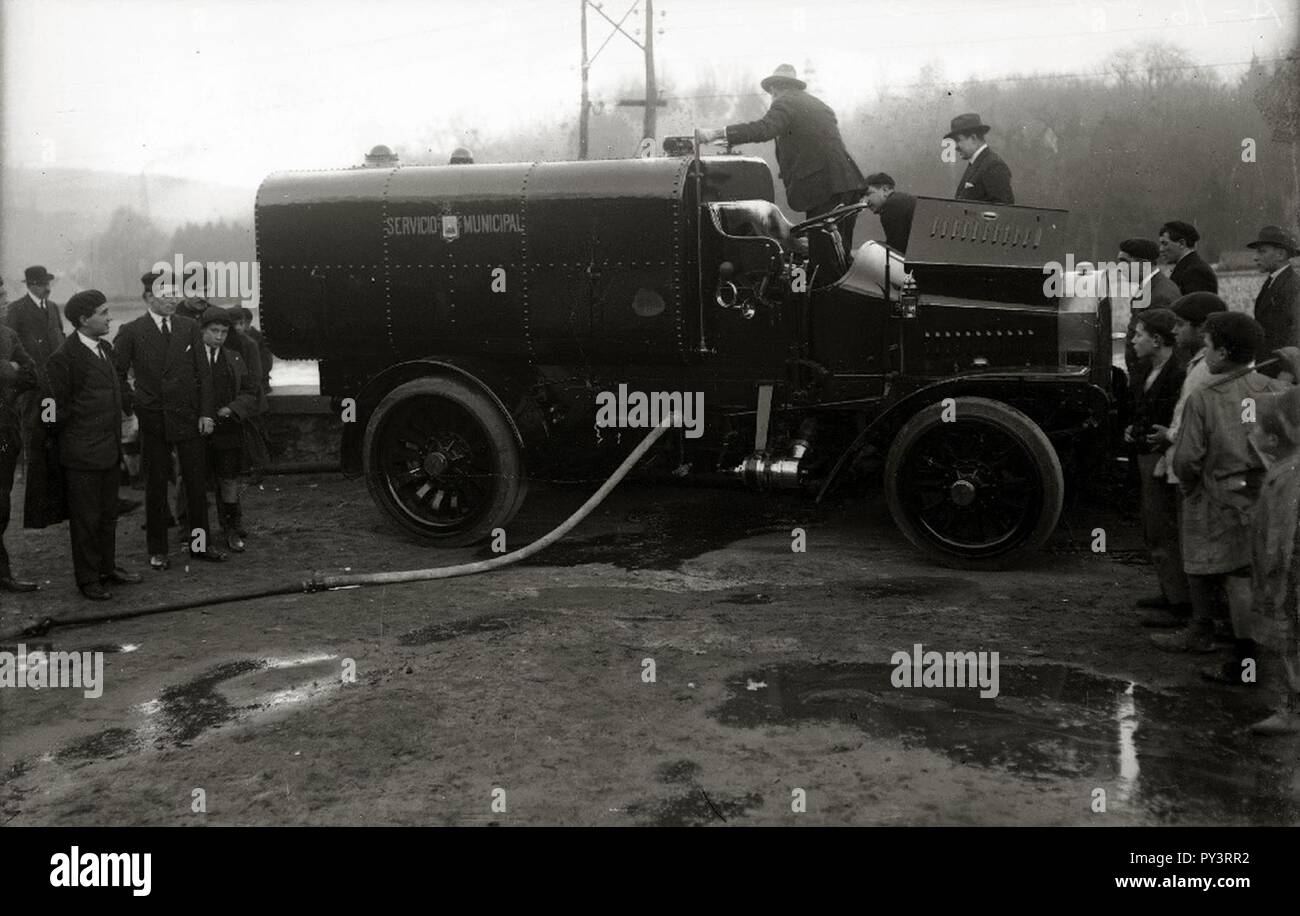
(87, 426)
(173, 399)
(818, 172)
(987, 178)
(1279, 298)
(36, 321)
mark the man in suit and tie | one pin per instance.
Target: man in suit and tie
(815, 167)
(987, 177)
(173, 399)
(87, 426)
(40, 328)
(1279, 298)
(1188, 270)
(17, 376)
(895, 209)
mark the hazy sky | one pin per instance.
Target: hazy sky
(229, 91)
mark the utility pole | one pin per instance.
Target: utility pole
(585, 115)
(651, 90)
(651, 101)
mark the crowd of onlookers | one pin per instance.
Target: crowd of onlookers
(1215, 425)
(175, 399)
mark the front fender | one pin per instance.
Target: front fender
(1058, 403)
(510, 390)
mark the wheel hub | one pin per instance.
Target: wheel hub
(962, 492)
(435, 463)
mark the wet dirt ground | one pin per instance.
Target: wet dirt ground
(525, 696)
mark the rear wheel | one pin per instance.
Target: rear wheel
(976, 492)
(442, 461)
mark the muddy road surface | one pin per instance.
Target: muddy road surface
(673, 662)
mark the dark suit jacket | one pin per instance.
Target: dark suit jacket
(896, 219)
(13, 382)
(1160, 293)
(1193, 275)
(814, 165)
(988, 178)
(244, 403)
(170, 379)
(40, 332)
(1276, 309)
(87, 405)
(1155, 406)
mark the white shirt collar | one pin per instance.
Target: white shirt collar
(1275, 274)
(977, 152)
(158, 319)
(90, 342)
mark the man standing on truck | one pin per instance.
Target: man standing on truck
(816, 169)
(987, 177)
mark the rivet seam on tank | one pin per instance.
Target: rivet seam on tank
(523, 247)
(388, 292)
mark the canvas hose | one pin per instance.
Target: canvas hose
(320, 582)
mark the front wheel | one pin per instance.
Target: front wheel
(976, 490)
(442, 461)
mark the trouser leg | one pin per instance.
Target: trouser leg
(84, 496)
(155, 453)
(193, 458)
(1160, 527)
(106, 530)
(10, 446)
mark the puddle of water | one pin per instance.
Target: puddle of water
(441, 632)
(226, 693)
(1179, 757)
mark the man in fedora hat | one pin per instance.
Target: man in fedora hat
(461, 156)
(987, 177)
(40, 329)
(1279, 297)
(816, 169)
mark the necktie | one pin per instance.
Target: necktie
(212, 358)
(1263, 290)
(99, 348)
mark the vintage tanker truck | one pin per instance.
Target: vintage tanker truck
(481, 317)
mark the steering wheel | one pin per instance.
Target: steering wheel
(826, 219)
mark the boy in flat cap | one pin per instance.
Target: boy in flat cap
(234, 392)
(87, 423)
(1220, 475)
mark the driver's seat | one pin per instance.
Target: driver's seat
(760, 218)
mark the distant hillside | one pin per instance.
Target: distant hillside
(50, 215)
